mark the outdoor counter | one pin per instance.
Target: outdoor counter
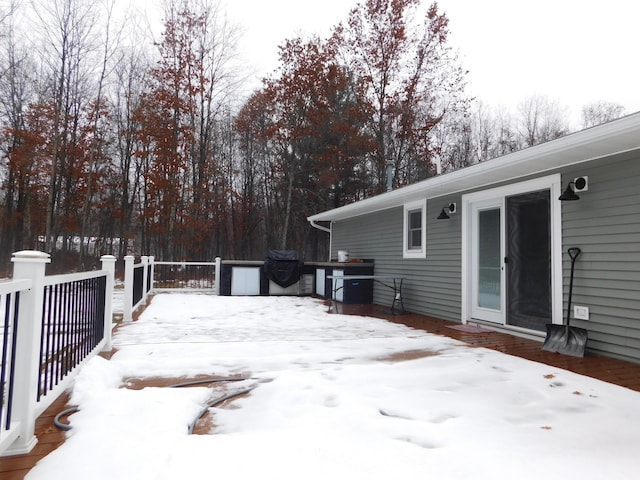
(246, 277)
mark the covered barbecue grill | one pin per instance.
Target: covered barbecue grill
(283, 267)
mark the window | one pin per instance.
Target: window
(414, 240)
(415, 231)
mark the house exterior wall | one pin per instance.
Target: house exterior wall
(432, 285)
(604, 224)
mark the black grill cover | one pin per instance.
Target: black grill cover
(283, 267)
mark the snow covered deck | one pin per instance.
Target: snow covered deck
(338, 396)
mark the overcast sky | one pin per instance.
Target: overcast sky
(573, 51)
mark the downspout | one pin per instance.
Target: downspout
(324, 229)
(319, 227)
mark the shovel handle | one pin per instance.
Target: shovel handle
(573, 253)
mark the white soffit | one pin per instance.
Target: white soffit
(616, 137)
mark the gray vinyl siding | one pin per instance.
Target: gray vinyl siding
(605, 225)
(432, 284)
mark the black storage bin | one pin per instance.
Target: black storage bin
(358, 291)
(353, 291)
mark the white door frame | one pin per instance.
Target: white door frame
(551, 182)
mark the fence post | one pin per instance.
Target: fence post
(217, 274)
(145, 275)
(108, 264)
(127, 310)
(28, 264)
(151, 271)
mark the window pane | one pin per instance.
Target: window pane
(489, 276)
(414, 233)
(416, 239)
(415, 219)
(414, 229)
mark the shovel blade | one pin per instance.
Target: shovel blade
(566, 340)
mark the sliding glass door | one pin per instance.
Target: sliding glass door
(511, 260)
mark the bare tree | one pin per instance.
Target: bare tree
(97, 144)
(212, 153)
(17, 81)
(595, 113)
(130, 79)
(67, 28)
(541, 119)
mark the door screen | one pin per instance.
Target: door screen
(529, 260)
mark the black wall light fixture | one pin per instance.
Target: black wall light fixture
(580, 184)
(446, 210)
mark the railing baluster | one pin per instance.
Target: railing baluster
(44, 342)
(63, 337)
(56, 343)
(48, 340)
(3, 359)
(86, 317)
(14, 340)
(63, 334)
(101, 288)
(75, 324)
(82, 299)
(65, 331)
(92, 311)
(79, 314)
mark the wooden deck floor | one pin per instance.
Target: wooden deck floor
(610, 370)
(49, 438)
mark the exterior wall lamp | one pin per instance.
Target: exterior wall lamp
(446, 211)
(580, 184)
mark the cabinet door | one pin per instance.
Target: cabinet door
(245, 281)
(320, 279)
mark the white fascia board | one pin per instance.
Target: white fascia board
(619, 136)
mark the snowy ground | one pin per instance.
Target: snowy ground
(332, 401)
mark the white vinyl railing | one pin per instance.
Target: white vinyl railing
(148, 275)
(50, 327)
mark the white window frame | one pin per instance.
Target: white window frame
(414, 252)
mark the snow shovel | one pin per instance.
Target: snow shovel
(564, 338)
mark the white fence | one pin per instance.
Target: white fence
(50, 327)
(148, 275)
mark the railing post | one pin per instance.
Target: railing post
(217, 274)
(151, 271)
(127, 310)
(108, 264)
(145, 266)
(28, 264)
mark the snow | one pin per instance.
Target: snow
(333, 400)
